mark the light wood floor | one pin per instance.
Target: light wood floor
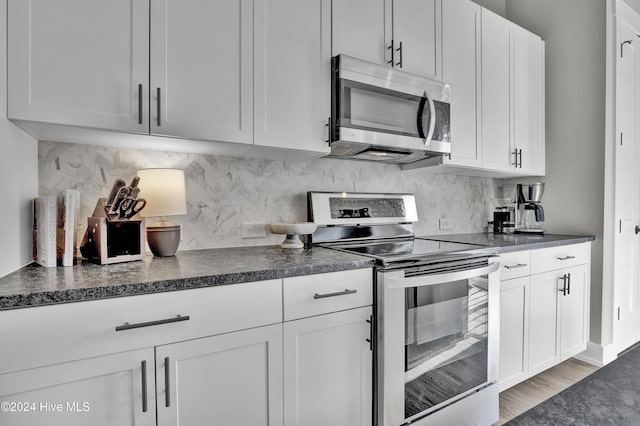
(523, 396)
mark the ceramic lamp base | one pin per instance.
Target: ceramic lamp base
(163, 240)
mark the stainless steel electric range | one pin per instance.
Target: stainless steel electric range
(436, 309)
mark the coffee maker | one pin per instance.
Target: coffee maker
(530, 213)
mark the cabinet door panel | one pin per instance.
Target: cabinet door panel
(514, 323)
(79, 62)
(461, 69)
(202, 61)
(417, 24)
(496, 96)
(230, 379)
(574, 318)
(362, 29)
(292, 73)
(328, 370)
(543, 320)
(105, 390)
(528, 73)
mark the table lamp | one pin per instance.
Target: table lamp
(164, 190)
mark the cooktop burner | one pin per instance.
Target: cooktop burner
(406, 249)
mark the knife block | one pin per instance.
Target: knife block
(113, 241)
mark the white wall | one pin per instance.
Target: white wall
(574, 32)
(18, 174)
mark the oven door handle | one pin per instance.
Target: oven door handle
(433, 279)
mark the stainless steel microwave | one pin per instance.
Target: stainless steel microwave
(384, 114)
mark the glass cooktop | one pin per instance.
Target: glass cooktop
(408, 249)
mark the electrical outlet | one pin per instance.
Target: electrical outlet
(254, 230)
(444, 224)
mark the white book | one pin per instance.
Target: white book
(44, 230)
(68, 211)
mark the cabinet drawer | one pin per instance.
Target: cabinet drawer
(553, 258)
(48, 335)
(515, 265)
(322, 293)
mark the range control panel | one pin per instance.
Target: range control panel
(352, 208)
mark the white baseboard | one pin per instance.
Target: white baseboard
(598, 355)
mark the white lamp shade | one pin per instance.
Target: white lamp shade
(164, 190)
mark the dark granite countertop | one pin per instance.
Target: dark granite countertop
(34, 285)
(504, 243)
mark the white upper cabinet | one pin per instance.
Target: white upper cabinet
(496, 97)
(202, 69)
(528, 100)
(405, 34)
(79, 63)
(362, 29)
(461, 69)
(253, 72)
(416, 37)
(292, 74)
(512, 98)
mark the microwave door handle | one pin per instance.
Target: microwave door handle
(434, 279)
(421, 105)
(432, 124)
(424, 101)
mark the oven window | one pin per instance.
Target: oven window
(445, 342)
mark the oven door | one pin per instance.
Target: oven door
(437, 340)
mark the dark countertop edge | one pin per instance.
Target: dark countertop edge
(546, 244)
(84, 294)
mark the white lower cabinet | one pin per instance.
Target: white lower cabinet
(204, 356)
(514, 320)
(574, 315)
(328, 369)
(544, 317)
(543, 322)
(231, 379)
(113, 390)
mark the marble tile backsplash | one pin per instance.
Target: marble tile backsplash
(223, 192)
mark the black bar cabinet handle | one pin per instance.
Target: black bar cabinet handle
(127, 326)
(515, 156)
(520, 155)
(517, 265)
(370, 339)
(391, 62)
(569, 283)
(167, 383)
(399, 49)
(566, 258)
(158, 120)
(328, 126)
(564, 285)
(338, 293)
(139, 103)
(143, 366)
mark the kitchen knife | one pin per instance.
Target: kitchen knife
(119, 183)
(134, 183)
